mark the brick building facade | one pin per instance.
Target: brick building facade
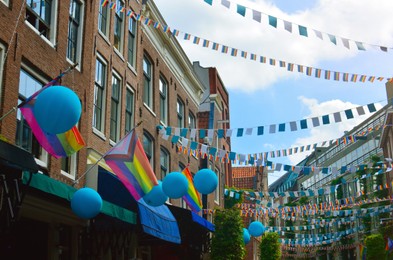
(127, 72)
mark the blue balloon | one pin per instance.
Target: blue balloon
(86, 203)
(205, 181)
(156, 197)
(175, 185)
(57, 109)
(256, 229)
(246, 236)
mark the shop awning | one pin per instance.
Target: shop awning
(14, 157)
(203, 222)
(64, 191)
(159, 222)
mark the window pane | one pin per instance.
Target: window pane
(129, 110)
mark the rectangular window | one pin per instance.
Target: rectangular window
(180, 113)
(163, 86)
(99, 96)
(191, 122)
(148, 146)
(164, 161)
(28, 85)
(75, 31)
(115, 108)
(103, 21)
(129, 110)
(68, 166)
(118, 26)
(40, 15)
(148, 84)
(2, 52)
(131, 41)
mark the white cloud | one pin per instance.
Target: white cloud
(356, 19)
(331, 131)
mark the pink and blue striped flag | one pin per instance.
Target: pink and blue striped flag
(128, 161)
(57, 145)
(192, 197)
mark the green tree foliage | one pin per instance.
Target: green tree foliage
(270, 247)
(230, 202)
(375, 247)
(227, 241)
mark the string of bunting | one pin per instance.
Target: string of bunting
(197, 149)
(320, 237)
(351, 214)
(323, 248)
(338, 204)
(302, 30)
(257, 195)
(294, 215)
(225, 49)
(307, 123)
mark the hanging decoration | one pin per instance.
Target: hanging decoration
(202, 150)
(225, 49)
(326, 190)
(307, 123)
(302, 30)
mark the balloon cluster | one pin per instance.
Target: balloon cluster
(175, 185)
(255, 229)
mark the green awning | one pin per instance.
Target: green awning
(64, 191)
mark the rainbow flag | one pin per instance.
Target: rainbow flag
(192, 197)
(128, 161)
(57, 145)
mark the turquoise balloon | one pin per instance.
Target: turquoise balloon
(246, 236)
(205, 181)
(156, 197)
(256, 229)
(86, 203)
(175, 185)
(57, 109)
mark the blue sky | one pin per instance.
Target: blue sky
(261, 94)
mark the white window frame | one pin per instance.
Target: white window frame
(217, 190)
(100, 132)
(73, 166)
(6, 2)
(44, 158)
(148, 76)
(107, 22)
(2, 65)
(51, 40)
(167, 156)
(116, 76)
(121, 15)
(148, 137)
(129, 88)
(78, 58)
(133, 21)
(180, 112)
(163, 88)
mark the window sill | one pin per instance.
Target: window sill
(6, 3)
(113, 143)
(132, 69)
(41, 163)
(118, 54)
(66, 174)
(78, 67)
(149, 109)
(99, 133)
(51, 44)
(104, 37)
